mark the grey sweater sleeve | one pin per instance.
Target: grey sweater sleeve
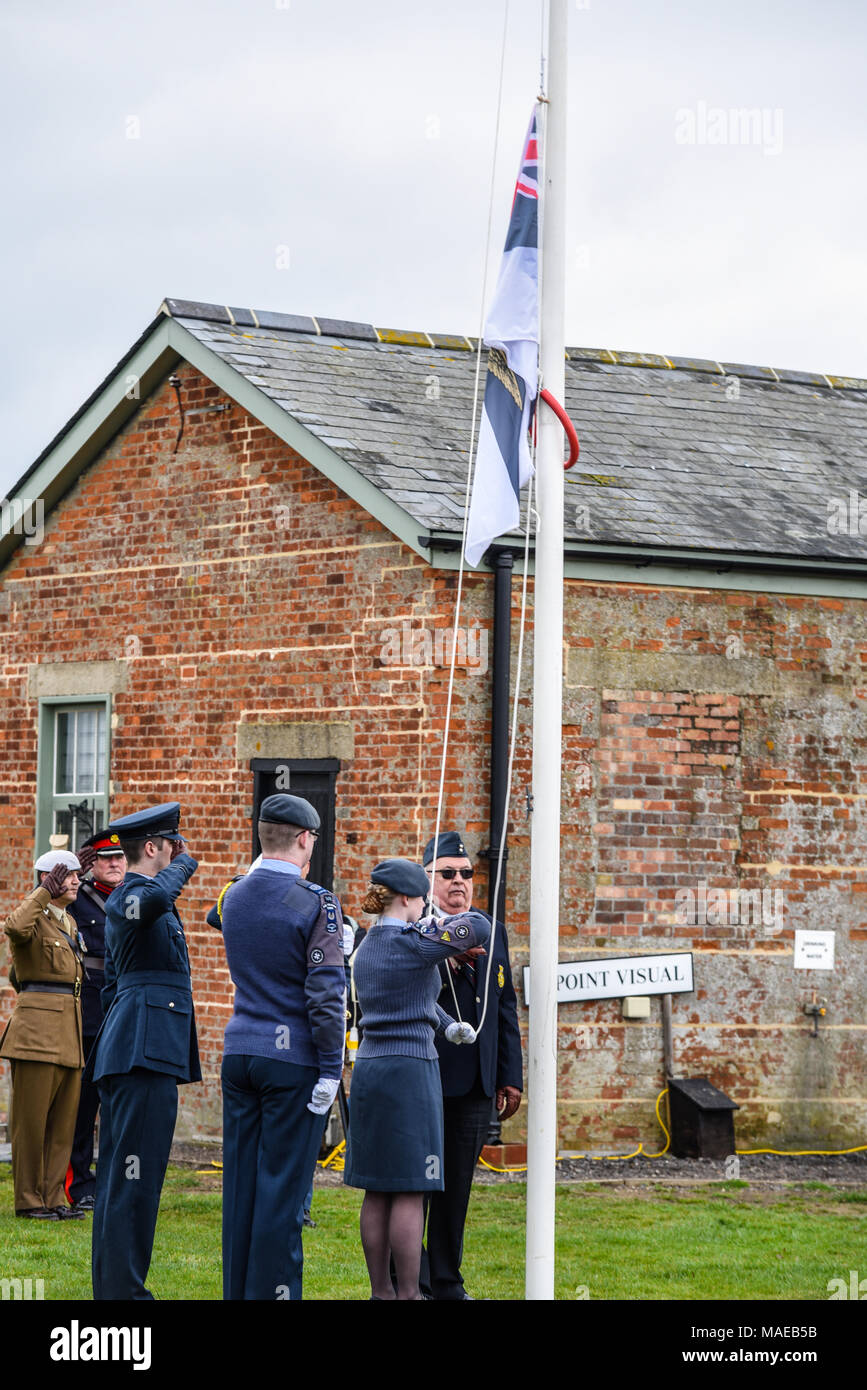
(437, 939)
(443, 1020)
(325, 986)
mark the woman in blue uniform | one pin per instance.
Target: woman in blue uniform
(395, 1144)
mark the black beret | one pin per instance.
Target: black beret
(402, 876)
(283, 809)
(451, 846)
(157, 821)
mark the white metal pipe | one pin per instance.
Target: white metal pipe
(547, 690)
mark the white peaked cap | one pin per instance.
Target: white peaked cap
(54, 857)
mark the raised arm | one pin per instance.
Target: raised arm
(21, 924)
(145, 902)
(438, 938)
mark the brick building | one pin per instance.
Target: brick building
(247, 573)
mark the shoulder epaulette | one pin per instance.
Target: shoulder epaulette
(224, 892)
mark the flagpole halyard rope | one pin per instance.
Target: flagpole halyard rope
(516, 699)
(512, 742)
(471, 459)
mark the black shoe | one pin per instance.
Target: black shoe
(69, 1214)
(84, 1203)
(38, 1214)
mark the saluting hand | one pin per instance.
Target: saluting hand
(86, 857)
(55, 880)
(178, 847)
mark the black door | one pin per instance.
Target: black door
(314, 779)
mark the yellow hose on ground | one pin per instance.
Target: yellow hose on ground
(641, 1151)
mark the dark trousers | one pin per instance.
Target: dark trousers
(83, 1182)
(139, 1111)
(466, 1120)
(270, 1143)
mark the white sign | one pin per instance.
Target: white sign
(620, 976)
(814, 950)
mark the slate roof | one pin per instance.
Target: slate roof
(675, 453)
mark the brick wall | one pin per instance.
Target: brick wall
(709, 738)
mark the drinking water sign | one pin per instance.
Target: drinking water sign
(621, 976)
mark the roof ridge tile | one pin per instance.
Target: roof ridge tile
(404, 337)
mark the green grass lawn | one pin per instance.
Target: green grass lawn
(726, 1241)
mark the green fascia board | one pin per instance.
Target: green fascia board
(724, 575)
(653, 566)
(393, 517)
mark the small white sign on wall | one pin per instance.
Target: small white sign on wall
(814, 950)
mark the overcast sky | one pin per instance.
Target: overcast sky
(177, 148)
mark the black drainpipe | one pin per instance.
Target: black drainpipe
(500, 671)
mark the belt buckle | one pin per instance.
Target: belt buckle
(76, 989)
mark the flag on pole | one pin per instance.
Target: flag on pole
(503, 463)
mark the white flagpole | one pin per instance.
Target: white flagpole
(547, 689)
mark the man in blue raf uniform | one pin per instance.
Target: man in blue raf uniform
(470, 1076)
(146, 1045)
(284, 1050)
(102, 853)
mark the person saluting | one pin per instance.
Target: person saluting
(146, 1045)
(395, 1144)
(43, 1039)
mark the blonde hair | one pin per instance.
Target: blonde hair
(377, 898)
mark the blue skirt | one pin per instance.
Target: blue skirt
(395, 1141)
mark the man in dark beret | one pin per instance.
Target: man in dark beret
(146, 1046)
(471, 1076)
(283, 1054)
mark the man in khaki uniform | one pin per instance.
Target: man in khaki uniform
(43, 1039)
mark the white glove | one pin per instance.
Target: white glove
(324, 1091)
(460, 1033)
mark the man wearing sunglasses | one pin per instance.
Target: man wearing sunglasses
(490, 1067)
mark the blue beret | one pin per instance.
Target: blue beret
(402, 876)
(283, 809)
(451, 846)
(155, 821)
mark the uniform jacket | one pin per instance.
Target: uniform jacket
(149, 1020)
(89, 913)
(44, 1027)
(284, 946)
(495, 1059)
